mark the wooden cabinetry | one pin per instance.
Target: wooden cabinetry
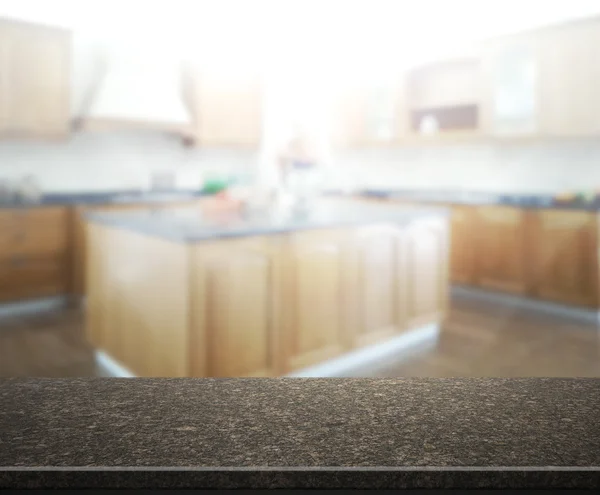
(500, 261)
(426, 272)
(569, 77)
(34, 252)
(79, 235)
(34, 80)
(511, 86)
(260, 306)
(462, 246)
(565, 257)
(235, 291)
(370, 115)
(314, 317)
(377, 275)
(228, 110)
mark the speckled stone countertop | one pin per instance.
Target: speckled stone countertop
(300, 433)
(192, 225)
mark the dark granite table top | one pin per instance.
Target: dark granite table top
(193, 225)
(300, 433)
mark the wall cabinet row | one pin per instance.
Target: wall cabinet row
(541, 83)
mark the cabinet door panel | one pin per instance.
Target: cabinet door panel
(229, 111)
(315, 295)
(427, 272)
(462, 247)
(377, 270)
(566, 264)
(569, 80)
(501, 249)
(39, 82)
(237, 280)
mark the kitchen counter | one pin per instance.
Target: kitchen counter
(108, 197)
(192, 224)
(300, 433)
(478, 198)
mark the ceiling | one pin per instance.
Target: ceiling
(362, 32)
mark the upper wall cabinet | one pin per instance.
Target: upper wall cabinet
(370, 115)
(34, 81)
(569, 79)
(511, 87)
(227, 109)
(445, 98)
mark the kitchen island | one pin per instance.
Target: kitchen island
(193, 293)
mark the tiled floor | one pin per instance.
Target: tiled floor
(479, 339)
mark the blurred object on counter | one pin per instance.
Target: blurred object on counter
(565, 197)
(214, 185)
(28, 190)
(298, 164)
(163, 180)
(581, 197)
(222, 201)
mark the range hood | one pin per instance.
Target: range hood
(137, 92)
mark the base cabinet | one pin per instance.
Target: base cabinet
(315, 297)
(462, 248)
(548, 254)
(261, 306)
(236, 324)
(565, 260)
(426, 271)
(500, 240)
(377, 289)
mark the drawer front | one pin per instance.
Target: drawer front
(36, 232)
(30, 242)
(55, 216)
(23, 279)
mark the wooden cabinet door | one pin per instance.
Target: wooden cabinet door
(566, 257)
(501, 249)
(235, 292)
(38, 80)
(316, 298)
(228, 111)
(6, 41)
(426, 272)
(462, 247)
(378, 295)
(370, 116)
(569, 62)
(510, 105)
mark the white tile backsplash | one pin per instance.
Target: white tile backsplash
(526, 168)
(107, 161)
(113, 161)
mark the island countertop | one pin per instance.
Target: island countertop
(189, 224)
(300, 433)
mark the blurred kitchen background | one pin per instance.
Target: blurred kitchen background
(463, 103)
